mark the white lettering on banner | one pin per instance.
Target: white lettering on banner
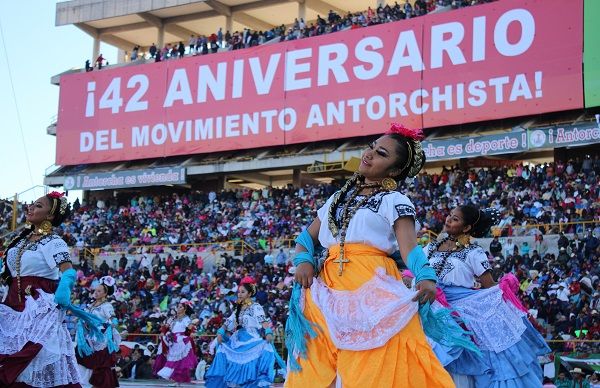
(484, 147)
(372, 58)
(450, 45)
(446, 47)
(474, 147)
(100, 140)
(576, 135)
(208, 128)
(292, 69)
(238, 78)
(179, 89)
(527, 23)
(374, 107)
(263, 82)
(407, 41)
(332, 64)
(207, 80)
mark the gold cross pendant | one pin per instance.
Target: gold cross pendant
(341, 261)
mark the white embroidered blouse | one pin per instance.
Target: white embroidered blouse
(372, 224)
(41, 258)
(458, 268)
(251, 319)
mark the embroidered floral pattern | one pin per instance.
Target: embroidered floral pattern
(373, 204)
(404, 210)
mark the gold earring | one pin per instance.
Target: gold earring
(45, 228)
(389, 184)
(463, 241)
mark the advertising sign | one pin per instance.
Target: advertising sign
(502, 59)
(470, 147)
(564, 136)
(130, 178)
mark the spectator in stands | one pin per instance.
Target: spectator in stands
(562, 381)
(99, 61)
(495, 247)
(192, 44)
(153, 50)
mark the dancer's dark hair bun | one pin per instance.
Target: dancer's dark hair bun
(481, 221)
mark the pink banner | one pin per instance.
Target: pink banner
(504, 59)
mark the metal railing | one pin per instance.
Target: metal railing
(240, 246)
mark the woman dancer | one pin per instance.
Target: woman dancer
(35, 345)
(243, 358)
(509, 343)
(180, 358)
(98, 358)
(368, 331)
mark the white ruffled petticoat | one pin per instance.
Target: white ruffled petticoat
(40, 322)
(365, 318)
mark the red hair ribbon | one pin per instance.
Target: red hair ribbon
(399, 129)
(56, 195)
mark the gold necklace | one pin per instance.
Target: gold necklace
(26, 245)
(348, 213)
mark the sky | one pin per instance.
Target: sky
(31, 52)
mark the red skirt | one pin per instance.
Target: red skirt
(102, 365)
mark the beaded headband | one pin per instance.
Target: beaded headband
(415, 150)
(58, 198)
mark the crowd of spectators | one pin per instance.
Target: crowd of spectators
(299, 29)
(526, 196)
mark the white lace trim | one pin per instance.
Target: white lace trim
(178, 350)
(38, 322)
(249, 355)
(40, 373)
(102, 344)
(368, 317)
(497, 325)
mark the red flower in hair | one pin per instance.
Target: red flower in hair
(399, 129)
(56, 195)
(247, 280)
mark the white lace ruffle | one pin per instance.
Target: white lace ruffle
(39, 373)
(40, 322)
(368, 317)
(246, 356)
(101, 345)
(497, 325)
(179, 349)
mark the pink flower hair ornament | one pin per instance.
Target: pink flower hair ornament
(399, 129)
(55, 195)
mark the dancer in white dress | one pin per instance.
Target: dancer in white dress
(97, 357)
(35, 345)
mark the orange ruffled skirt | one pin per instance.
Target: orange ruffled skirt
(406, 360)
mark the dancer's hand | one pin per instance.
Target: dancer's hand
(269, 338)
(219, 338)
(304, 274)
(426, 292)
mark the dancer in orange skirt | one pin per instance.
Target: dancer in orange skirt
(358, 324)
